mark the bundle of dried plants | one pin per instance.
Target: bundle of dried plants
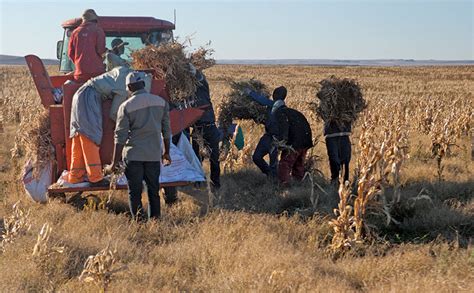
(340, 100)
(238, 105)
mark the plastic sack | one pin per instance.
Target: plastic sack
(185, 166)
(37, 188)
(187, 150)
(62, 181)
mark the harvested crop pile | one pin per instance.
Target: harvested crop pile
(33, 141)
(240, 106)
(201, 58)
(171, 63)
(340, 100)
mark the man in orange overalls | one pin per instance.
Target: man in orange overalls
(87, 47)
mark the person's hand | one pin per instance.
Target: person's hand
(109, 169)
(166, 159)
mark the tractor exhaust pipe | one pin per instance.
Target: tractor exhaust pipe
(174, 20)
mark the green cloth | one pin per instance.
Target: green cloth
(239, 140)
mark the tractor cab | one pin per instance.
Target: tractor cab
(134, 32)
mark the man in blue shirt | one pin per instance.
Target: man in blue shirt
(266, 145)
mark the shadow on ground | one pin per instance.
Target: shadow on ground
(427, 210)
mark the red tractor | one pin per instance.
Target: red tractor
(136, 33)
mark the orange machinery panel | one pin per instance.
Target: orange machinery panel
(41, 79)
(56, 115)
(58, 80)
(158, 87)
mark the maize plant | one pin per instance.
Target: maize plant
(445, 122)
(42, 247)
(18, 223)
(343, 225)
(98, 268)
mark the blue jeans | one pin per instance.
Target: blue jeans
(136, 172)
(265, 147)
(339, 153)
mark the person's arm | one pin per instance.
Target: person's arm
(100, 43)
(118, 97)
(71, 50)
(122, 128)
(166, 131)
(261, 99)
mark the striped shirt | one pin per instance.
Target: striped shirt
(141, 121)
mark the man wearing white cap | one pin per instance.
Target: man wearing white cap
(87, 47)
(141, 122)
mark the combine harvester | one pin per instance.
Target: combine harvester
(137, 32)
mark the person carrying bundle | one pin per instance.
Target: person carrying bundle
(206, 126)
(266, 144)
(86, 47)
(86, 123)
(340, 103)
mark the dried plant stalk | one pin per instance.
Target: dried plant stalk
(240, 106)
(171, 63)
(201, 58)
(15, 225)
(344, 236)
(340, 100)
(98, 268)
(33, 140)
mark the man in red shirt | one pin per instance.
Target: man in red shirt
(87, 47)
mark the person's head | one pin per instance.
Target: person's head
(279, 93)
(89, 15)
(118, 46)
(135, 81)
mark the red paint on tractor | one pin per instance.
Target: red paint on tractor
(125, 24)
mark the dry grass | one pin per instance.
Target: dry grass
(260, 238)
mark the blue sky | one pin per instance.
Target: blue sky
(350, 29)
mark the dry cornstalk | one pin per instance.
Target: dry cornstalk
(340, 100)
(344, 235)
(98, 268)
(201, 58)
(445, 122)
(42, 248)
(18, 223)
(33, 140)
(240, 106)
(171, 63)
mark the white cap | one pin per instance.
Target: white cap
(134, 77)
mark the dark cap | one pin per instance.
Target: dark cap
(279, 93)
